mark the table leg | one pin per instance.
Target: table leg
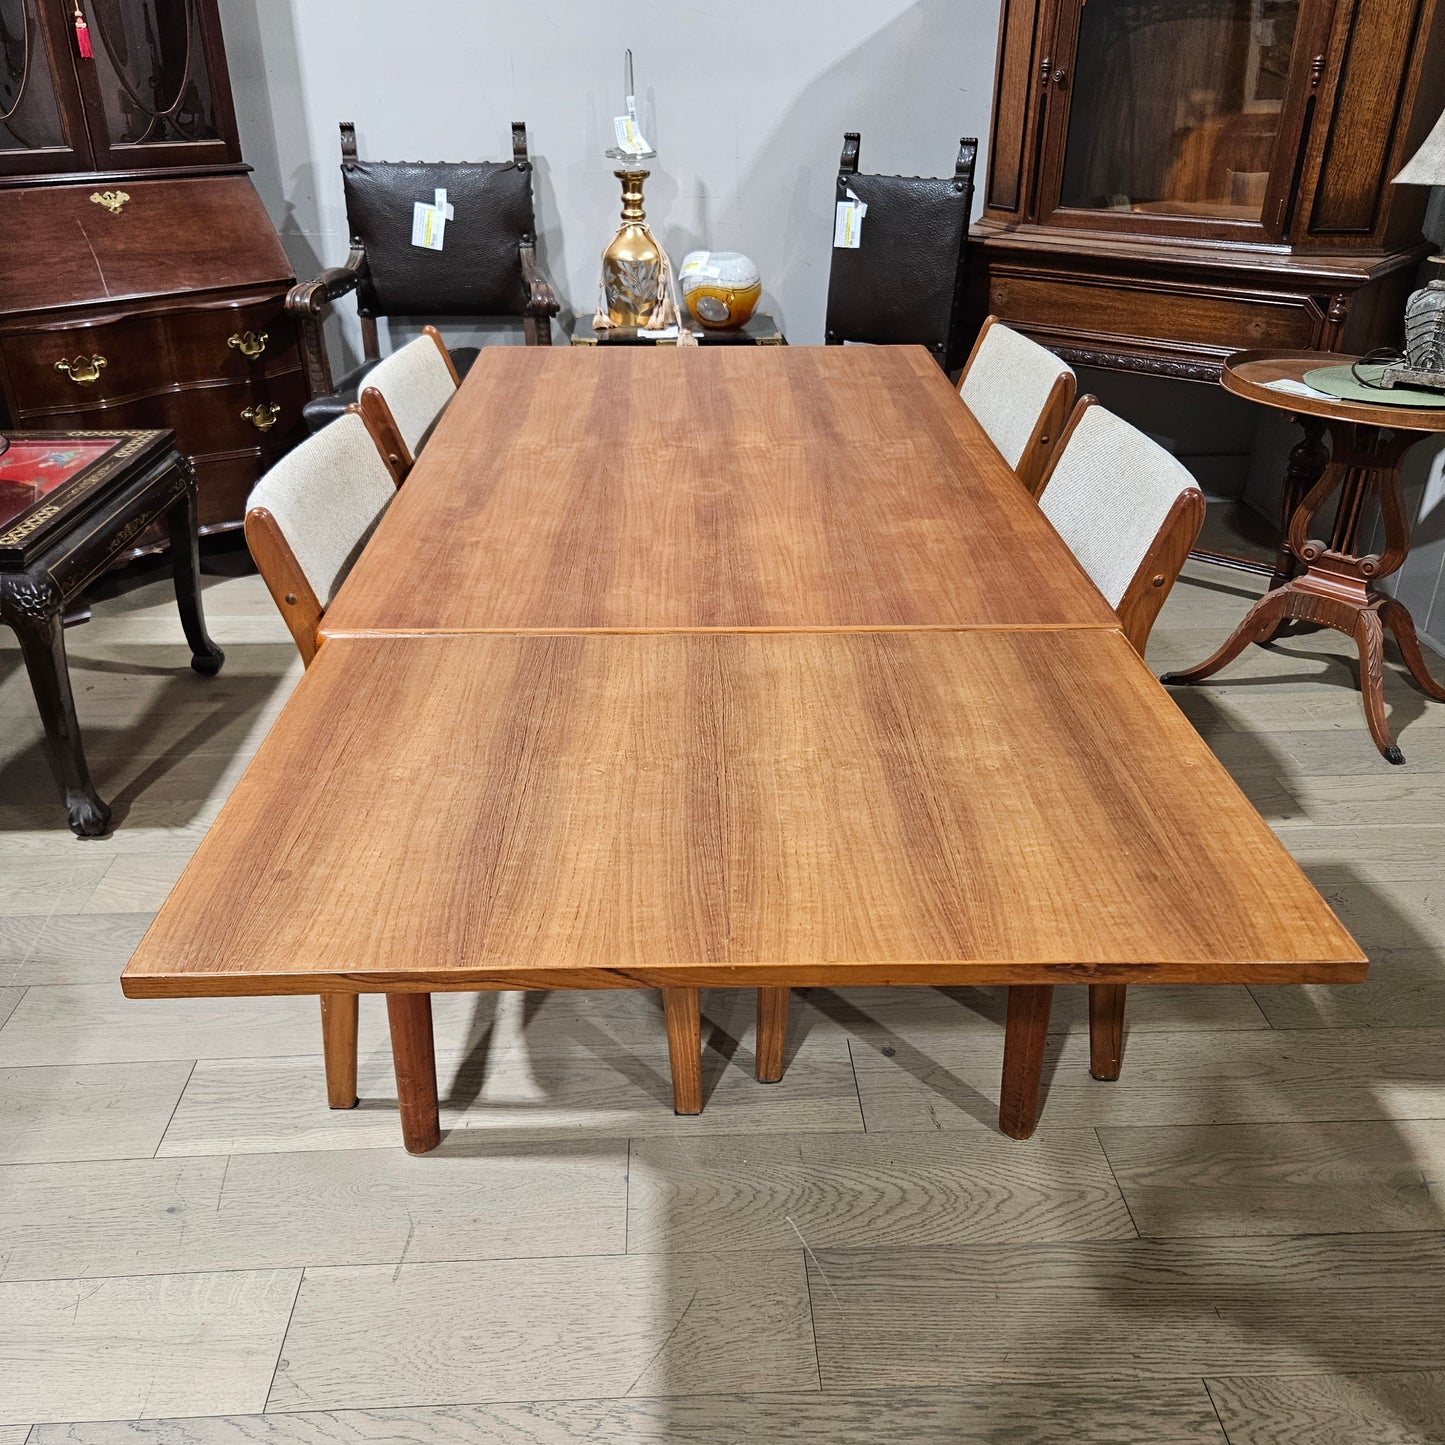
(772, 1033)
(1260, 623)
(1369, 635)
(32, 608)
(181, 518)
(684, 1048)
(1106, 1029)
(1396, 616)
(414, 1059)
(338, 1042)
(1025, 1035)
(1306, 465)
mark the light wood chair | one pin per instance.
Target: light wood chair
(405, 394)
(306, 522)
(1021, 394)
(1129, 512)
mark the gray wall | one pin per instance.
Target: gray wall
(746, 101)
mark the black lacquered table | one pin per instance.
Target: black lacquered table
(71, 504)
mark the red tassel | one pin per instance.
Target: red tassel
(82, 36)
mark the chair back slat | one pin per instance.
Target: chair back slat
(416, 382)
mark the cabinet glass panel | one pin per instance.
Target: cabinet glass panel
(29, 110)
(1176, 105)
(151, 65)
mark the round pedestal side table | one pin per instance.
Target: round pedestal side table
(1338, 586)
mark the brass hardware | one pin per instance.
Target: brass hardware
(249, 343)
(262, 417)
(1317, 71)
(1060, 76)
(83, 370)
(1046, 66)
(111, 200)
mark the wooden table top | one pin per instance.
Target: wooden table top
(1248, 374)
(627, 488)
(590, 811)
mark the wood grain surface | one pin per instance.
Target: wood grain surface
(734, 809)
(1249, 374)
(617, 489)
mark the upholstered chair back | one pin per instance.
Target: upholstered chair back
(309, 517)
(1128, 510)
(416, 382)
(1021, 395)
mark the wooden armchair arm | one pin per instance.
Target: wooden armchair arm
(542, 300)
(311, 298)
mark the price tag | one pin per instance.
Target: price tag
(629, 137)
(429, 222)
(700, 265)
(848, 223)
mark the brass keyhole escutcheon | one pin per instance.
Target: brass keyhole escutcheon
(111, 200)
(83, 370)
(263, 416)
(249, 343)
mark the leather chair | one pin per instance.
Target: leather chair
(487, 268)
(904, 282)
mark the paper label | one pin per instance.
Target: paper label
(848, 223)
(429, 222)
(700, 265)
(629, 137)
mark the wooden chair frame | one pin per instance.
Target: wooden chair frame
(382, 424)
(299, 605)
(1143, 598)
(1043, 441)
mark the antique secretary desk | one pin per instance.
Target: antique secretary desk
(142, 285)
(1170, 181)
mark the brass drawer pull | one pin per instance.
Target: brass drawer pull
(249, 343)
(262, 417)
(83, 370)
(111, 200)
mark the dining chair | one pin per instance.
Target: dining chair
(307, 520)
(901, 282)
(1129, 512)
(486, 266)
(1020, 393)
(404, 396)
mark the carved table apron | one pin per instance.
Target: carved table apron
(87, 540)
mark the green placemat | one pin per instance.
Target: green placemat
(1338, 381)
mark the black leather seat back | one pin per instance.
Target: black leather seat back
(477, 273)
(904, 281)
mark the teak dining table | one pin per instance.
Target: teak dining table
(745, 667)
(686, 810)
(793, 488)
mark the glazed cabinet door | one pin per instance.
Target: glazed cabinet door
(156, 90)
(1176, 117)
(42, 123)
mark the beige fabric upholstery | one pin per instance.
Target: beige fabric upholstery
(327, 496)
(1007, 387)
(1108, 496)
(416, 384)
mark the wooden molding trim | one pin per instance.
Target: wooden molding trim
(284, 579)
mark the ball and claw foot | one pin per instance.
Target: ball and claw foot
(89, 817)
(208, 664)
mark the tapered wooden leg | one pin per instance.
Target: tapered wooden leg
(1260, 623)
(1370, 639)
(684, 1048)
(1396, 616)
(414, 1059)
(772, 1033)
(338, 1042)
(1106, 1029)
(1025, 1035)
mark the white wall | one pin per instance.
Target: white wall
(746, 101)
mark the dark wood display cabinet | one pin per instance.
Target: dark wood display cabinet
(143, 285)
(1171, 181)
